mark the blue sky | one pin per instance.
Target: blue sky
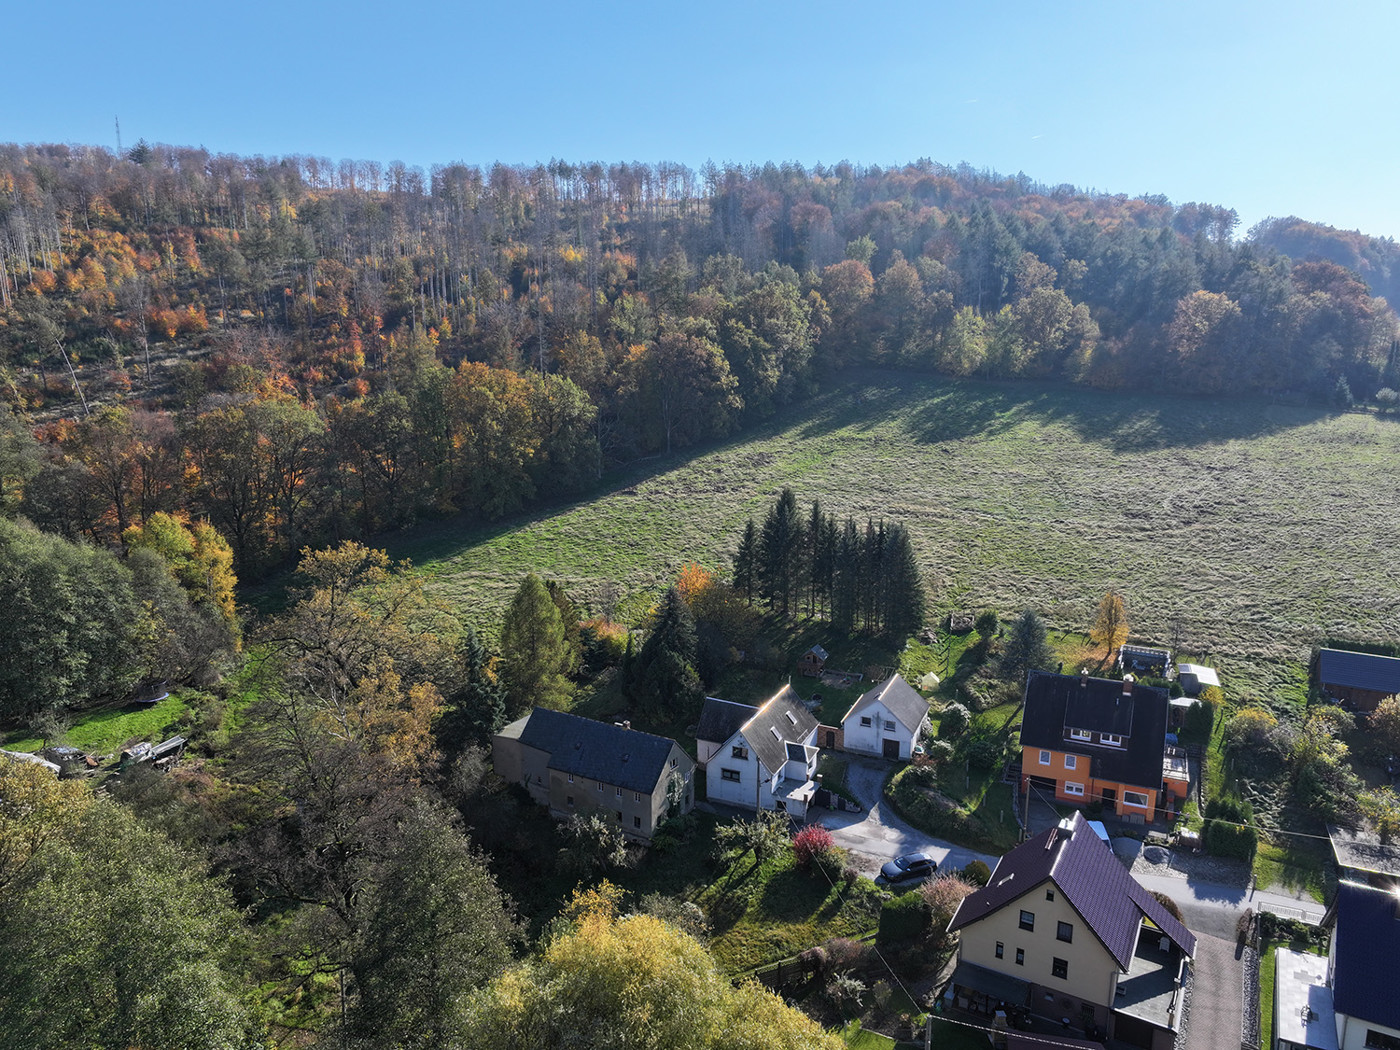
(1271, 108)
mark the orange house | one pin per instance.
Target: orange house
(1096, 739)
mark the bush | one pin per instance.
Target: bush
(903, 918)
(1166, 902)
(812, 843)
(937, 752)
(1229, 830)
(977, 873)
(844, 992)
(1200, 719)
(984, 752)
(1277, 928)
(987, 624)
(844, 954)
(850, 875)
(953, 721)
(813, 960)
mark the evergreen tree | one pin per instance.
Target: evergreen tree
(477, 708)
(1026, 648)
(780, 552)
(573, 630)
(903, 591)
(746, 562)
(665, 680)
(534, 651)
(845, 590)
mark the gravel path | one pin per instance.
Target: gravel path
(1216, 1004)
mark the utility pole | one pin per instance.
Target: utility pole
(119, 136)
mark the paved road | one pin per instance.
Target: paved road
(878, 834)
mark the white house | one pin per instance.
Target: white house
(1362, 966)
(886, 721)
(768, 762)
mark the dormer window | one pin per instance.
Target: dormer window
(1079, 734)
(1110, 740)
(790, 717)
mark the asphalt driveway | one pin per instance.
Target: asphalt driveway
(878, 834)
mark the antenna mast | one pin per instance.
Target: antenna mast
(119, 136)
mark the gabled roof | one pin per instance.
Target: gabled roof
(1092, 879)
(626, 758)
(1198, 675)
(1055, 702)
(721, 719)
(899, 698)
(818, 652)
(1365, 946)
(1380, 674)
(782, 718)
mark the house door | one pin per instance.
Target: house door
(830, 740)
(1110, 796)
(891, 748)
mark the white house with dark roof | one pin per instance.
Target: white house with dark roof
(886, 721)
(769, 761)
(1363, 966)
(577, 765)
(1063, 929)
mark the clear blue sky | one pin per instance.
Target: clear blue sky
(1272, 108)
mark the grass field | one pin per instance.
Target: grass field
(103, 732)
(1253, 528)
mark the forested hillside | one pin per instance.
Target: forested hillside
(302, 351)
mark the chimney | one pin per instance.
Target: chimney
(627, 723)
(1083, 678)
(1127, 685)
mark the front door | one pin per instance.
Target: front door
(891, 748)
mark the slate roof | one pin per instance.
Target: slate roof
(721, 719)
(626, 758)
(902, 700)
(1380, 674)
(785, 713)
(1092, 879)
(1365, 946)
(1057, 701)
(818, 652)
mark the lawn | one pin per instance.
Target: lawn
(1301, 865)
(774, 911)
(1217, 519)
(105, 731)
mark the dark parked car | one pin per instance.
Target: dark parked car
(908, 868)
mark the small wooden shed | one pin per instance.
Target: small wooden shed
(812, 662)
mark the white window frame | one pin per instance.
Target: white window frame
(1072, 788)
(889, 726)
(1079, 734)
(739, 752)
(636, 796)
(1128, 797)
(1071, 761)
(1110, 740)
(865, 722)
(1044, 758)
(731, 775)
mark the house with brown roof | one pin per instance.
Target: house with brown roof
(1064, 930)
(1085, 739)
(768, 762)
(578, 765)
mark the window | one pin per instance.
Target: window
(1135, 798)
(865, 722)
(1071, 762)
(791, 717)
(1072, 788)
(740, 752)
(571, 778)
(1045, 758)
(1381, 1040)
(1065, 932)
(889, 726)
(724, 774)
(619, 792)
(636, 822)
(1110, 740)
(1020, 957)
(782, 805)
(1049, 895)
(1027, 920)
(636, 796)
(570, 800)
(1079, 734)
(673, 763)
(619, 816)
(1001, 950)
(1059, 968)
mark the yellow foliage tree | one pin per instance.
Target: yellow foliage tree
(637, 982)
(1111, 623)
